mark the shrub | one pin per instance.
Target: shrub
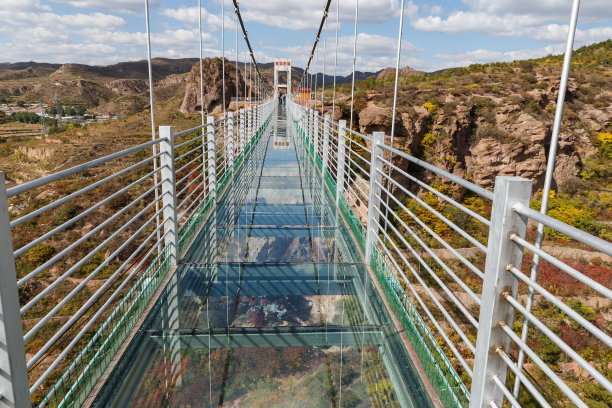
(431, 107)
(428, 139)
(40, 253)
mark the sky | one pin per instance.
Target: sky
(437, 34)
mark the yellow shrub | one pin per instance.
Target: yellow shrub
(431, 107)
(605, 138)
(428, 139)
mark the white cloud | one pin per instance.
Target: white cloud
(59, 21)
(486, 56)
(189, 15)
(112, 5)
(22, 5)
(306, 14)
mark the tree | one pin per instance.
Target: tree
(20, 103)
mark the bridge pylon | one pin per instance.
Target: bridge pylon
(282, 65)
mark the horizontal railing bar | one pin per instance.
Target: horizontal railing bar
(89, 302)
(191, 183)
(185, 199)
(90, 187)
(506, 392)
(434, 321)
(195, 200)
(30, 185)
(82, 215)
(572, 232)
(442, 218)
(65, 352)
(461, 207)
(446, 290)
(542, 365)
(470, 186)
(530, 387)
(72, 269)
(186, 176)
(176, 159)
(560, 343)
(432, 254)
(598, 287)
(195, 139)
(193, 129)
(187, 164)
(565, 308)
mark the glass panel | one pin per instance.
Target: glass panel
(270, 307)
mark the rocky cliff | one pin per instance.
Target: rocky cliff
(495, 120)
(213, 86)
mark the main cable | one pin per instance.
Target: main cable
(246, 37)
(314, 47)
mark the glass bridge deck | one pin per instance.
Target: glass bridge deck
(271, 306)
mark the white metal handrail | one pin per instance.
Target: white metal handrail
(203, 162)
(490, 312)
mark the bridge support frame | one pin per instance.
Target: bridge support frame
(14, 392)
(341, 160)
(230, 136)
(498, 281)
(376, 164)
(168, 186)
(325, 141)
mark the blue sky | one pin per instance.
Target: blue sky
(437, 34)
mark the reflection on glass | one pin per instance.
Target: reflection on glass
(270, 307)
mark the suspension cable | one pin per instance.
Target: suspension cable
(336, 59)
(397, 73)
(236, 65)
(153, 135)
(201, 68)
(550, 167)
(354, 58)
(223, 49)
(314, 47)
(246, 37)
(324, 54)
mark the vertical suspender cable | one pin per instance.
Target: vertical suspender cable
(397, 73)
(204, 175)
(354, 58)
(223, 50)
(324, 53)
(316, 78)
(336, 59)
(236, 66)
(201, 68)
(550, 168)
(153, 136)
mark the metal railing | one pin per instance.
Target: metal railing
(448, 255)
(71, 295)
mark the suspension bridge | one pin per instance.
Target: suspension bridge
(274, 242)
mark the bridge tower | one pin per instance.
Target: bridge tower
(282, 65)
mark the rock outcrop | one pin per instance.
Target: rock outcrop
(128, 86)
(213, 86)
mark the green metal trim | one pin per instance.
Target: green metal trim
(448, 385)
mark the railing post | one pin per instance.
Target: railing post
(230, 136)
(241, 130)
(316, 133)
(249, 124)
(168, 180)
(341, 160)
(312, 127)
(497, 281)
(325, 142)
(14, 388)
(378, 138)
(212, 158)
